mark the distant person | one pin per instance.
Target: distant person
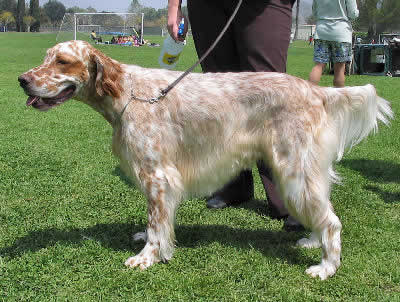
(93, 35)
(333, 37)
(95, 38)
(310, 39)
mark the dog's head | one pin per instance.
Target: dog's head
(71, 69)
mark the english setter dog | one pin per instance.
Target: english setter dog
(209, 128)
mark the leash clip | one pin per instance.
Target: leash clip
(153, 100)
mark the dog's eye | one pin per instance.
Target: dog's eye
(62, 62)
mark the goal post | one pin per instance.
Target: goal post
(105, 25)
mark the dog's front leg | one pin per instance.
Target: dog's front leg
(159, 236)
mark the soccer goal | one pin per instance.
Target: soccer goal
(100, 27)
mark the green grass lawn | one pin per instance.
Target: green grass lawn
(67, 213)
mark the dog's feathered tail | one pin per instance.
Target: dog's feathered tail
(354, 112)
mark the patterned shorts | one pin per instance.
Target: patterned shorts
(325, 51)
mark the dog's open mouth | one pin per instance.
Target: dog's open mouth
(44, 104)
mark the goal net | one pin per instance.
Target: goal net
(101, 27)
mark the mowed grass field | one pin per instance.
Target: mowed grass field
(67, 213)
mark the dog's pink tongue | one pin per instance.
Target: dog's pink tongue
(31, 100)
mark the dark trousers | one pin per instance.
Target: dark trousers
(257, 40)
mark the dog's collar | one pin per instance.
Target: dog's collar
(134, 97)
(151, 101)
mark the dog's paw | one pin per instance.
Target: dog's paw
(323, 271)
(141, 261)
(309, 243)
(147, 257)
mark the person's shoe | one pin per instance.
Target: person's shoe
(216, 202)
(220, 201)
(274, 213)
(292, 225)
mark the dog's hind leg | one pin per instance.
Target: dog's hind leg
(313, 241)
(329, 229)
(163, 199)
(307, 199)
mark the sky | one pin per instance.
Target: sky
(111, 6)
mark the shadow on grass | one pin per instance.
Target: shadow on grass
(388, 197)
(118, 236)
(118, 172)
(376, 170)
(379, 171)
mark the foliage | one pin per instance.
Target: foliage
(389, 15)
(153, 17)
(297, 19)
(9, 5)
(378, 16)
(20, 15)
(55, 10)
(135, 7)
(28, 21)
(91, 10)
(34, 11)
(44, 19)
(76, 9)
(6, 18)
(310, 20)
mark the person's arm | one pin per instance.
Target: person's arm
(174, 18)
(352, 10)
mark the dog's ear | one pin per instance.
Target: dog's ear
(108, 75)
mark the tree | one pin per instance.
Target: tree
(75, 9)
(28, 21)
(20, 15)
(310, 20)
(34, 11)
(9, 5)
(6, 18)
(379, 15)
(297, 19)
(135, 7)
(55, 11)
(44, 19)
(388, 15)
(91, 10)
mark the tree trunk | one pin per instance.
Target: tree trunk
(20, 15)
(297, 19)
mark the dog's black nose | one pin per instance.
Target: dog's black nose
(24, 80)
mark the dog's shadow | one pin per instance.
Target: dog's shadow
(123, 177)
(378, 171)
(118, 236)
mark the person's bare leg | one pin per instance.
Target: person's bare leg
(339, 77)
(316, 72)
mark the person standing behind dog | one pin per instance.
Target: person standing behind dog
(333, 37)
(257, 40)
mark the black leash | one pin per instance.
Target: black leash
(164, 92)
